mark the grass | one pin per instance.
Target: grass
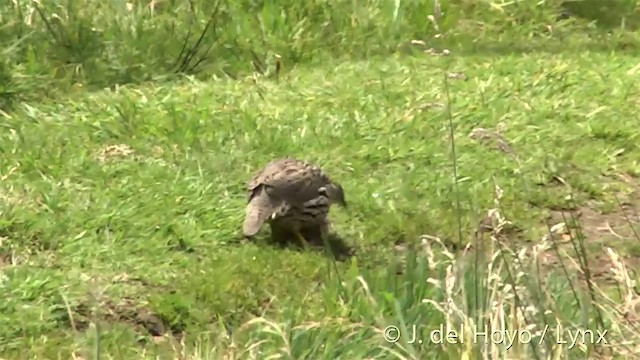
(64, 44)
(122, 188)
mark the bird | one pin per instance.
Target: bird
(291, 195)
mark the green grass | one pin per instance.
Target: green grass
(64, 44)
(122, 179)
(159, 228)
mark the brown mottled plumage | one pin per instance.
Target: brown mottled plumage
(292, 195)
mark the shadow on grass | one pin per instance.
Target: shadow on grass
(507, 48)
(606, 15)
(464, 46)
(336, 245)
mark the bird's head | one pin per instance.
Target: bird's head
(335, 193)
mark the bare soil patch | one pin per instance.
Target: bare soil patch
(125, 311)
(618, 229)
(111, 152)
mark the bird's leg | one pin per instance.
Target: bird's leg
(325, 228)
(301, 239)
(278, 234)
(324, 232)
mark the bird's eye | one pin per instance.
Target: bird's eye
(323, 191)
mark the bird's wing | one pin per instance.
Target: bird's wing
(290, 179)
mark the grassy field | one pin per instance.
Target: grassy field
(490, 183)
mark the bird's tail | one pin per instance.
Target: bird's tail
(258, 210)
